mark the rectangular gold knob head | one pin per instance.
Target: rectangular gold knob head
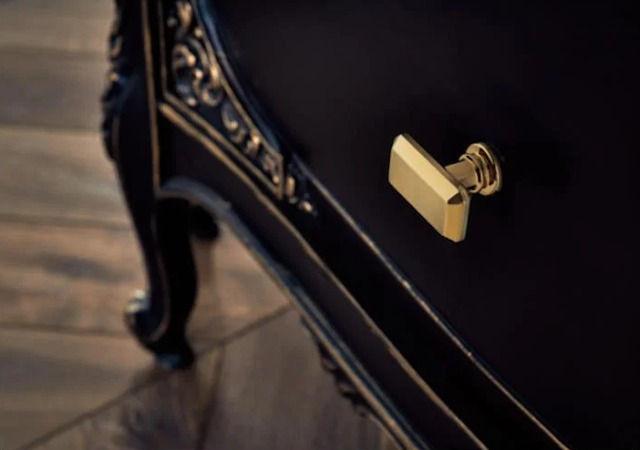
(429, 188)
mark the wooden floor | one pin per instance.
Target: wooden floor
(70, 376)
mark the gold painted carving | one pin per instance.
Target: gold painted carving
(200, 84)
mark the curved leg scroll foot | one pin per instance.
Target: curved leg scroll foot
(158, 318)
(171, 348)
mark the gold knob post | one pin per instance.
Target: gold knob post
(442, 195)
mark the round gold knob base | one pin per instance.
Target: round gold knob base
(487, 176)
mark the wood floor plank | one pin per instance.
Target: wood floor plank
(80, 9)
(67, 277)
(273, 394)
(58, 174)
(265, 391)
(235, 291)
(167, 414)
(79, 278)
(51, 89)
(23, 26)
(47, 379)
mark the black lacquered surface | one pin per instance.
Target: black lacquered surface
(543, 286)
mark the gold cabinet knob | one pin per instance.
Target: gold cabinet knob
(442, 195)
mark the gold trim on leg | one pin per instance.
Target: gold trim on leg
(155, 157)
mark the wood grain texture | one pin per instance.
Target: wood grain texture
(51, 89)
(165, 414)
(23, 26)
(66, 440)
(79, 26)
(234, 291)
(47, 379)
(80, 9)
(79, 278)
(67, 277)
(274, 395)
(58, 174)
